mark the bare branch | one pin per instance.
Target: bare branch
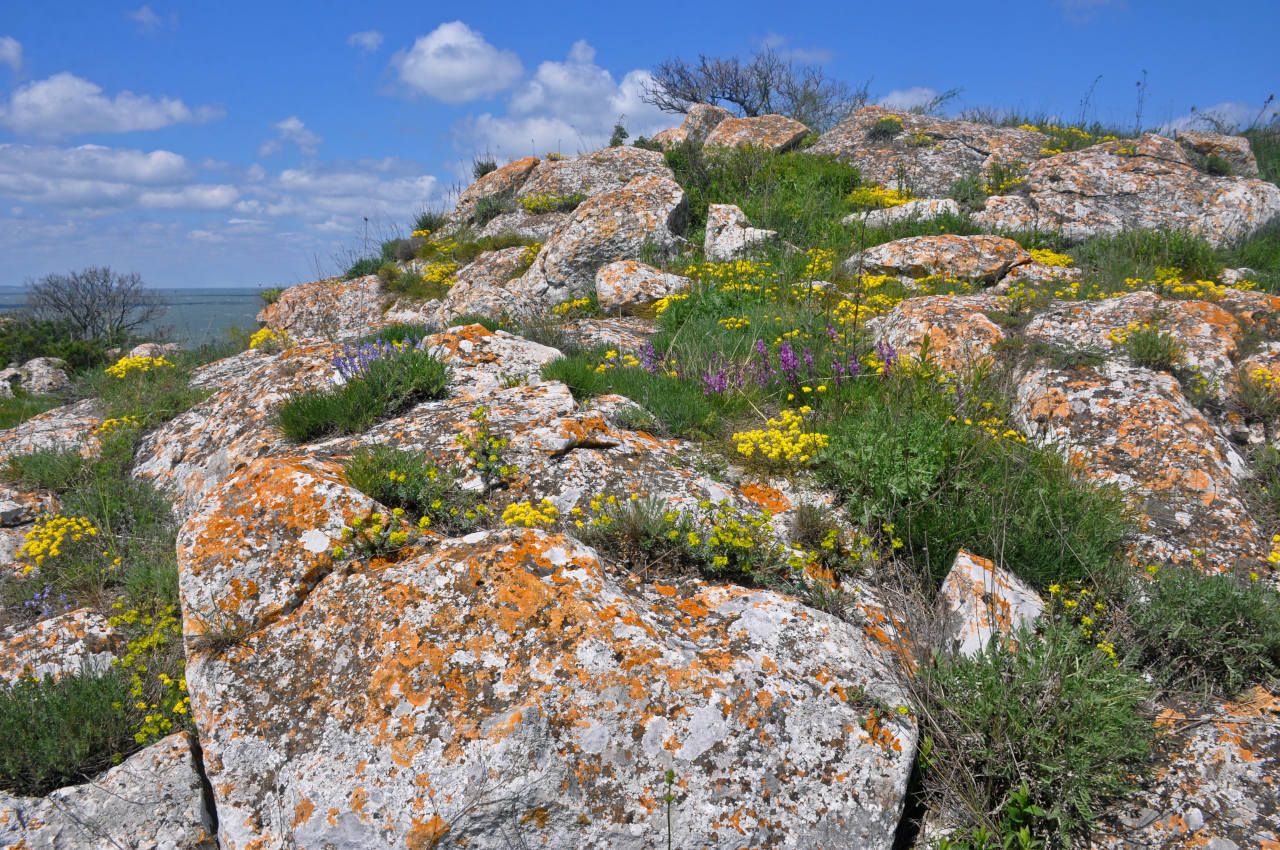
(96, 303)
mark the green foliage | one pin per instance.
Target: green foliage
(271, 294)
(885, 128)
(489, 208)
(1211, 635)
(61, 732)
(399, 332)
(362, 267)
(969, 193)
(1266, 150)
(647, 144)
(1266, 479)
(1053, 726)
(1138, 253)
(418, 487)
(681, 407)
(21, 407)
(23, 338)
(545, 203)
(479, 168)
(430, 220)
(1260, 252)
(1149, 345)
(387, 386)
(619, 136)
(150, 396)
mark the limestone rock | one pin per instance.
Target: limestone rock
(961, 337)
(501, 182)
(730, 235)
(44, 376)
(626, 286)
(540, 226)
(649, 212)
(483, 288)
(988, 258)
(1147, 183)
(600, 173)
(152, 800)
(325, 310)
(67, 427)
(930, 154)
(979, 601)
(699, 121)
(1041, 274)
(1236, 150)
(1134, 428)
(770, 132)
(921, 210)
(71, 642)
(521, 694)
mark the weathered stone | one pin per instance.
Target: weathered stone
(929, 154)
(153, 801)
(501, 182)
(520, 694)
(699, 121)
(1234, 277)
(730, 235)
(44, 376)
(542, 226)
(1147, 183)
(64, 428)
(600, 173)
(979, 602)
(483, 288)
(330, 309)
(961, 337)
(1041, 274)
(769, 132)
(988, 258)
(1235, 150)
(1133, 428)
(649, 212)
(155, 349)
(921, 210)
(627, 333)
(627, 286)
(69, 643)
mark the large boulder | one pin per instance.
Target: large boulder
(1234, 150)
(599, 173)
(647, 214)
(919, 210)
(64, 428)
(505, 689)
(987, 258)
(627, 286)
(155, 799)
(482, 288)
(1146, 183)
(499, 183)
(69, 643)
(955, 330)
(325, 309)
(767, 132)
(730, 235)
(927, 154)
(699, 121)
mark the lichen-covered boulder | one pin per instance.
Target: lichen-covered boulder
(325, 309)
(1234, 150)
(39, 376)
(538, 226)
(1134, 428)
(768, 132)
(64, 428)
(69, 643)
(988, 258)
(730, 235)
(699, 121)
(505, 690)
(930, 153)
(153, 800)
(599, 173)
(960, 335)
(647, 213)
(501, 182)
(1141, 184)
(979, 601)
(482, 289)
(919, 210)
(627, 286)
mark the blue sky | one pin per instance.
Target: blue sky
(245, 144)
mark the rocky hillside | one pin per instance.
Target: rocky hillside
(917, 484)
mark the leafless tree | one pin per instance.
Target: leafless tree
(96, 304)
(764, 84)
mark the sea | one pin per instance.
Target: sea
(192, 317)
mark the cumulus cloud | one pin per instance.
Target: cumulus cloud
(11, 52)
(909, 98)
(66, 105)
(148, 21)
(367, 40)
(571, 104)
(1228, 115)
(781, 45)
(293, 131)
(454, 64)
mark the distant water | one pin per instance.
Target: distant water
(191, 316)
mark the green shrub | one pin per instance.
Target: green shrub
(1265, 142)
(969, 193)
(271, 294)
(418, 487)
(1149, 345)
(386, 383)
(23, 338)
(1057, 715)
(489, 208)
(363, 267)
(1207, 635)
(430, 221)
(150, 395)
(1138, 253)
(62, 732)
(545, 203)
(647, 144)
(1260, 252)
(885, 128)
(480, 167)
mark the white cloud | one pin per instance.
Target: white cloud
(454, 64)
(566, 106)
(65, 105)
(367, 40)
(148, 21)
(780, 44)
(11, 52)
(293, 131)
(200, 196)
(1228, 115)
(909, 98)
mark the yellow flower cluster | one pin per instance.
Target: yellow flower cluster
(529, 515)
(734, 323)
(1274, 558)
(530, 253)
(143, 654)
(548, 202)
(877, 197)
(604, 508)
(1013, 174)
(440, 272)
(1051, 258)
(735, 275)
(554, 156)
(820, 263)
(110, 425)
(575, 306)
(126, 365)
(782, 440)
(1120, 336)
(268, 339)
(660, 306)
(614, 360)
(1079, 607)
(995, 427)
(1065, 138)
(50, 534)
(1266, 379)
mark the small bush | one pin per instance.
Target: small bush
(413, 484)
(482, 166)
(1148, 345)
(487, 209)
(149, 392)
(380, 381)
(1138, 253)
(545, 203)
(23, 338)
(1056, 715)
(363, 267)
(647, 144)
(1260, 394)
(62, 732)
(885, 128)
(429, 221)
(271, 294)
(1206, 635)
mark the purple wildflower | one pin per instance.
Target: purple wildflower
(649, 358)
(714, 382)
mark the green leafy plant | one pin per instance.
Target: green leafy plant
(1149, 345)
(489, 208)
(479, 168)
(544, 203)
(885, 128)
(363, 267)
(271, 294)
